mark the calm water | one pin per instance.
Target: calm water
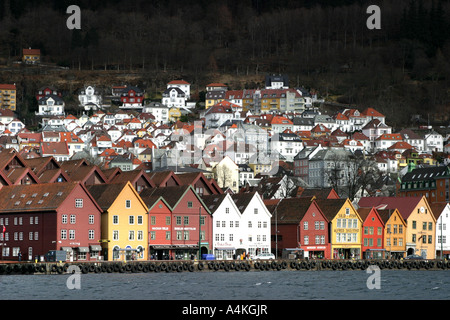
(268, 285)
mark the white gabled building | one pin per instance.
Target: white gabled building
(255, 223)
(442, 213)
(241, 224)
(227, 228)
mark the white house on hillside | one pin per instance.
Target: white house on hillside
(90, 98)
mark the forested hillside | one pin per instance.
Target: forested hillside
(321, 44)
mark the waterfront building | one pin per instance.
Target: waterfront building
(256, 217)
(394, 233)
(421, 222)
(372, 234)
(345, 228)
(228, 230)
(160, 229)
(190, 223)
(124, 221)
(52, 216)
(441, 212)
(298, 223)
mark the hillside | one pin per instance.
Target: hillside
(401, 70)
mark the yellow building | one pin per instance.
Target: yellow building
(8, 96)
(346, 226)
(124, 222)
(31, 56)
(394, 233)
(421, 223)
(174, 114)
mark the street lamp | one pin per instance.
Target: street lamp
(199, 231)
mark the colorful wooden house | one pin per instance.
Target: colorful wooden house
(299, 223)
(190, 223)
(394, 233)
(421, 230)
(50, 216)
(372, 234)
(345, 228)
(31, 56)
(124, 221)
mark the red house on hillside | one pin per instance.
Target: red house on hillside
(50, 216)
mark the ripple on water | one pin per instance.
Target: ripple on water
(283, 285)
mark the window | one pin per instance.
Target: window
(305, 225)
(128, 204)
(167, 221)
(131, 235)
(63, 234)
(91, 219)
(255, 211)
(178, 222)
(190, 204)
(73, 219)
(115, 219)
(131, 219)
(140, 235)
(152, 220)
(186, 220)
(91, 234)
(64, 219)
(116, 235)
(71, 234)
(78, 203)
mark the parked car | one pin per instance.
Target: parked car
(264, 256)
(414, 257)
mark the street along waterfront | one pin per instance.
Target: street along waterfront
(219, 265)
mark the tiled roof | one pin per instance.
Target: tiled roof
(34, 197)
(106, 194)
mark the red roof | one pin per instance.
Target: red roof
(7, 87)
(405, 205)
(401, 145)
(178, 82)
(31, 51)
(371, 112)
(280, 120)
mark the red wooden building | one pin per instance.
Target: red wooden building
(53, 216)
(189, 219)
(372, 234)
(299, 223)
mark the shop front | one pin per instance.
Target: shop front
(347, 252)
(376, 254)
(316, 251)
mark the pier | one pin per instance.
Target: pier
(216, 266)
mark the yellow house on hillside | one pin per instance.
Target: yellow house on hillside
(346, 226)
(124, 221)
(31, 56)
(8, 96)
(174, 114)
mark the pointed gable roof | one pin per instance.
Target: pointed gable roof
(404, 205)
(164, 178)
(133, 176)
(106, 194)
